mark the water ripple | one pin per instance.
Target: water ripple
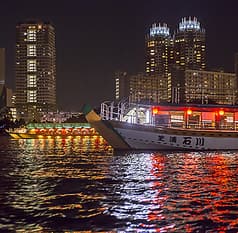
(65, 185)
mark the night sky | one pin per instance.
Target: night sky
(98, 37)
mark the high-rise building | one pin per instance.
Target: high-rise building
(189, 45)
(189, 53)
(35, 69)
(158, 50)
(159, 57)
(175, 69)
(167, 57)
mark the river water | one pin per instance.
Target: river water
(79, 185)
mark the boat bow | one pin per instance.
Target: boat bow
(105, 129)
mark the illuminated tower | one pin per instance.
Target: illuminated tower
(189, 45)
(159, 53)
(35, 69)
(159, 57)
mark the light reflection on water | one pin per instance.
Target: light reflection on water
(74, 185)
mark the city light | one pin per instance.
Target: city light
(190, 24)
(162, 30)
(221, 112)
(189, 111)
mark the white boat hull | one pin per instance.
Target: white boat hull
(138, 139)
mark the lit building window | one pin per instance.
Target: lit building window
(31, 96)
(31, 50)
(151, 43)
(31, 65)
(31, 81)
(31, 35)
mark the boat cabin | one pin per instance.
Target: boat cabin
(196, 116)
(204, 116)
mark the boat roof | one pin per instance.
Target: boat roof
(57, 125)
(197, 107)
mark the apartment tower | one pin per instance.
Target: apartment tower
(158, 58)
(35, 69)
(189, 45)
(158, 50)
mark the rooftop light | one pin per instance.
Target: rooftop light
(158, 29)
(189, 24)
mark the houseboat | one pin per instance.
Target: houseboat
(128, 126)
(51, 130)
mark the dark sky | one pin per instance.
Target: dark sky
(94, 38)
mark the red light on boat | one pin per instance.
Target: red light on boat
(155, 110)
(221, 112)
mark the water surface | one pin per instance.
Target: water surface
(82, 185)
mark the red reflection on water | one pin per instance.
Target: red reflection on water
(158, 169)
(194, 192)
(223, 177)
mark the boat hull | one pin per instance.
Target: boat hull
(147, 137)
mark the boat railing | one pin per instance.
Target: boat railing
(114, 111)
(124, 111)
(143, 115)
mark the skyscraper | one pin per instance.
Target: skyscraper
(189, 45)
(158, 50)
(159, 57)
(35, 69)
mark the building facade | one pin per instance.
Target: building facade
(35, 69)
(148, 89)
(208, 87)
(189, 45)
(158, 61)
(158, 50)
(121, 85)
